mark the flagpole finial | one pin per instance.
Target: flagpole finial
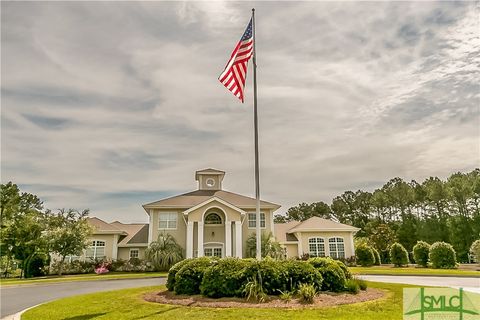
(253, 9)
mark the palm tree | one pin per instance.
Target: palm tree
(270, 247)
(164, 252)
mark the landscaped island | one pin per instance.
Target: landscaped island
(267, 281)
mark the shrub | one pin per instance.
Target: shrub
(271, 273)
(475, 250)
(164, 252)
(286, 296)
(333, 275)
(420, 253)
(254, 290)
(173, 272)
(299, 272)
(189, 277)
(362, 284)
(352, 286)
(365, 256)
(376, 254)
(398, 255)
(442, 255)
(225, 278)
(326, 261)
(306, 293)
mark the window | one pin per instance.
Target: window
(133, 253)
(213, 252)
(316, 247)
(337, 248)
(252, 219)
(213, 218)
(96, 250)
(167, 220)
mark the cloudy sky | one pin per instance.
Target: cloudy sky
(109, 105)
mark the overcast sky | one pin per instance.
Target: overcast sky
(110, 105)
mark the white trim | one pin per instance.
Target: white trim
(190, 226)
(225, 203)
(228, 238)
(321, 230)
(238, 239)
(200, 238)
(272, 229)
(130, 245)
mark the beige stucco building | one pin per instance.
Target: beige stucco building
(210, 221)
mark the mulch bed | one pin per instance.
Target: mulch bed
(325, 299)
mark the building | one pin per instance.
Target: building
(210, 221)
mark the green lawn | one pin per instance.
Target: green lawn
(388, 270)
(82, 277)
(128, 304)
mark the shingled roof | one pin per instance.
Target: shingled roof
(103, 227)
(137, 233)
(191, 199)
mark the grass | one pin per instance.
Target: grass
(412, 271)
(128, 304)
(81, 277)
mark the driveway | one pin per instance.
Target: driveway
(16, 298)
(469, 284)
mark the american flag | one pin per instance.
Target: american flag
(233, 77)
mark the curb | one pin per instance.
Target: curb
(18, 315)
(418, 275)
(6, 286)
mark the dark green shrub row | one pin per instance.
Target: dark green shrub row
(365, 255)
(229, 277)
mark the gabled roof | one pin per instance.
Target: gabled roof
(191, 199)
(284, 232)
(103, 227)
(320, 224)
(136, 232)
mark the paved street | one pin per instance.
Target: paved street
(15, 299)
(470, 284)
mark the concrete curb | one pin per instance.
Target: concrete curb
(18, 315)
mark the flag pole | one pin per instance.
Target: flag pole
(255, 120)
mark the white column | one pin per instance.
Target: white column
(115, 247)
(228, 238)
(189, 239)
(200, 238)
(150, 226)
(238, 239)
(300, 244)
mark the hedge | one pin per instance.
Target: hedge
(333, 276)
(173, 272)
(225, 278)
(365, 256)
(398, 255)
(420, 253)
(190, 275)
(442, 256)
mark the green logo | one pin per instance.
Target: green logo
(440, 303)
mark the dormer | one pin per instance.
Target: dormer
(209, 179)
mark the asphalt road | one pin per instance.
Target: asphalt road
(15, 299)
(470, 284)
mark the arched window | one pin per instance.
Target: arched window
(316, 247)
(213, 218)
(336, 247)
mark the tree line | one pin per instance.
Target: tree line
(433, 210)
(29, 233)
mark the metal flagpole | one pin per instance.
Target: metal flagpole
(255, 119)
